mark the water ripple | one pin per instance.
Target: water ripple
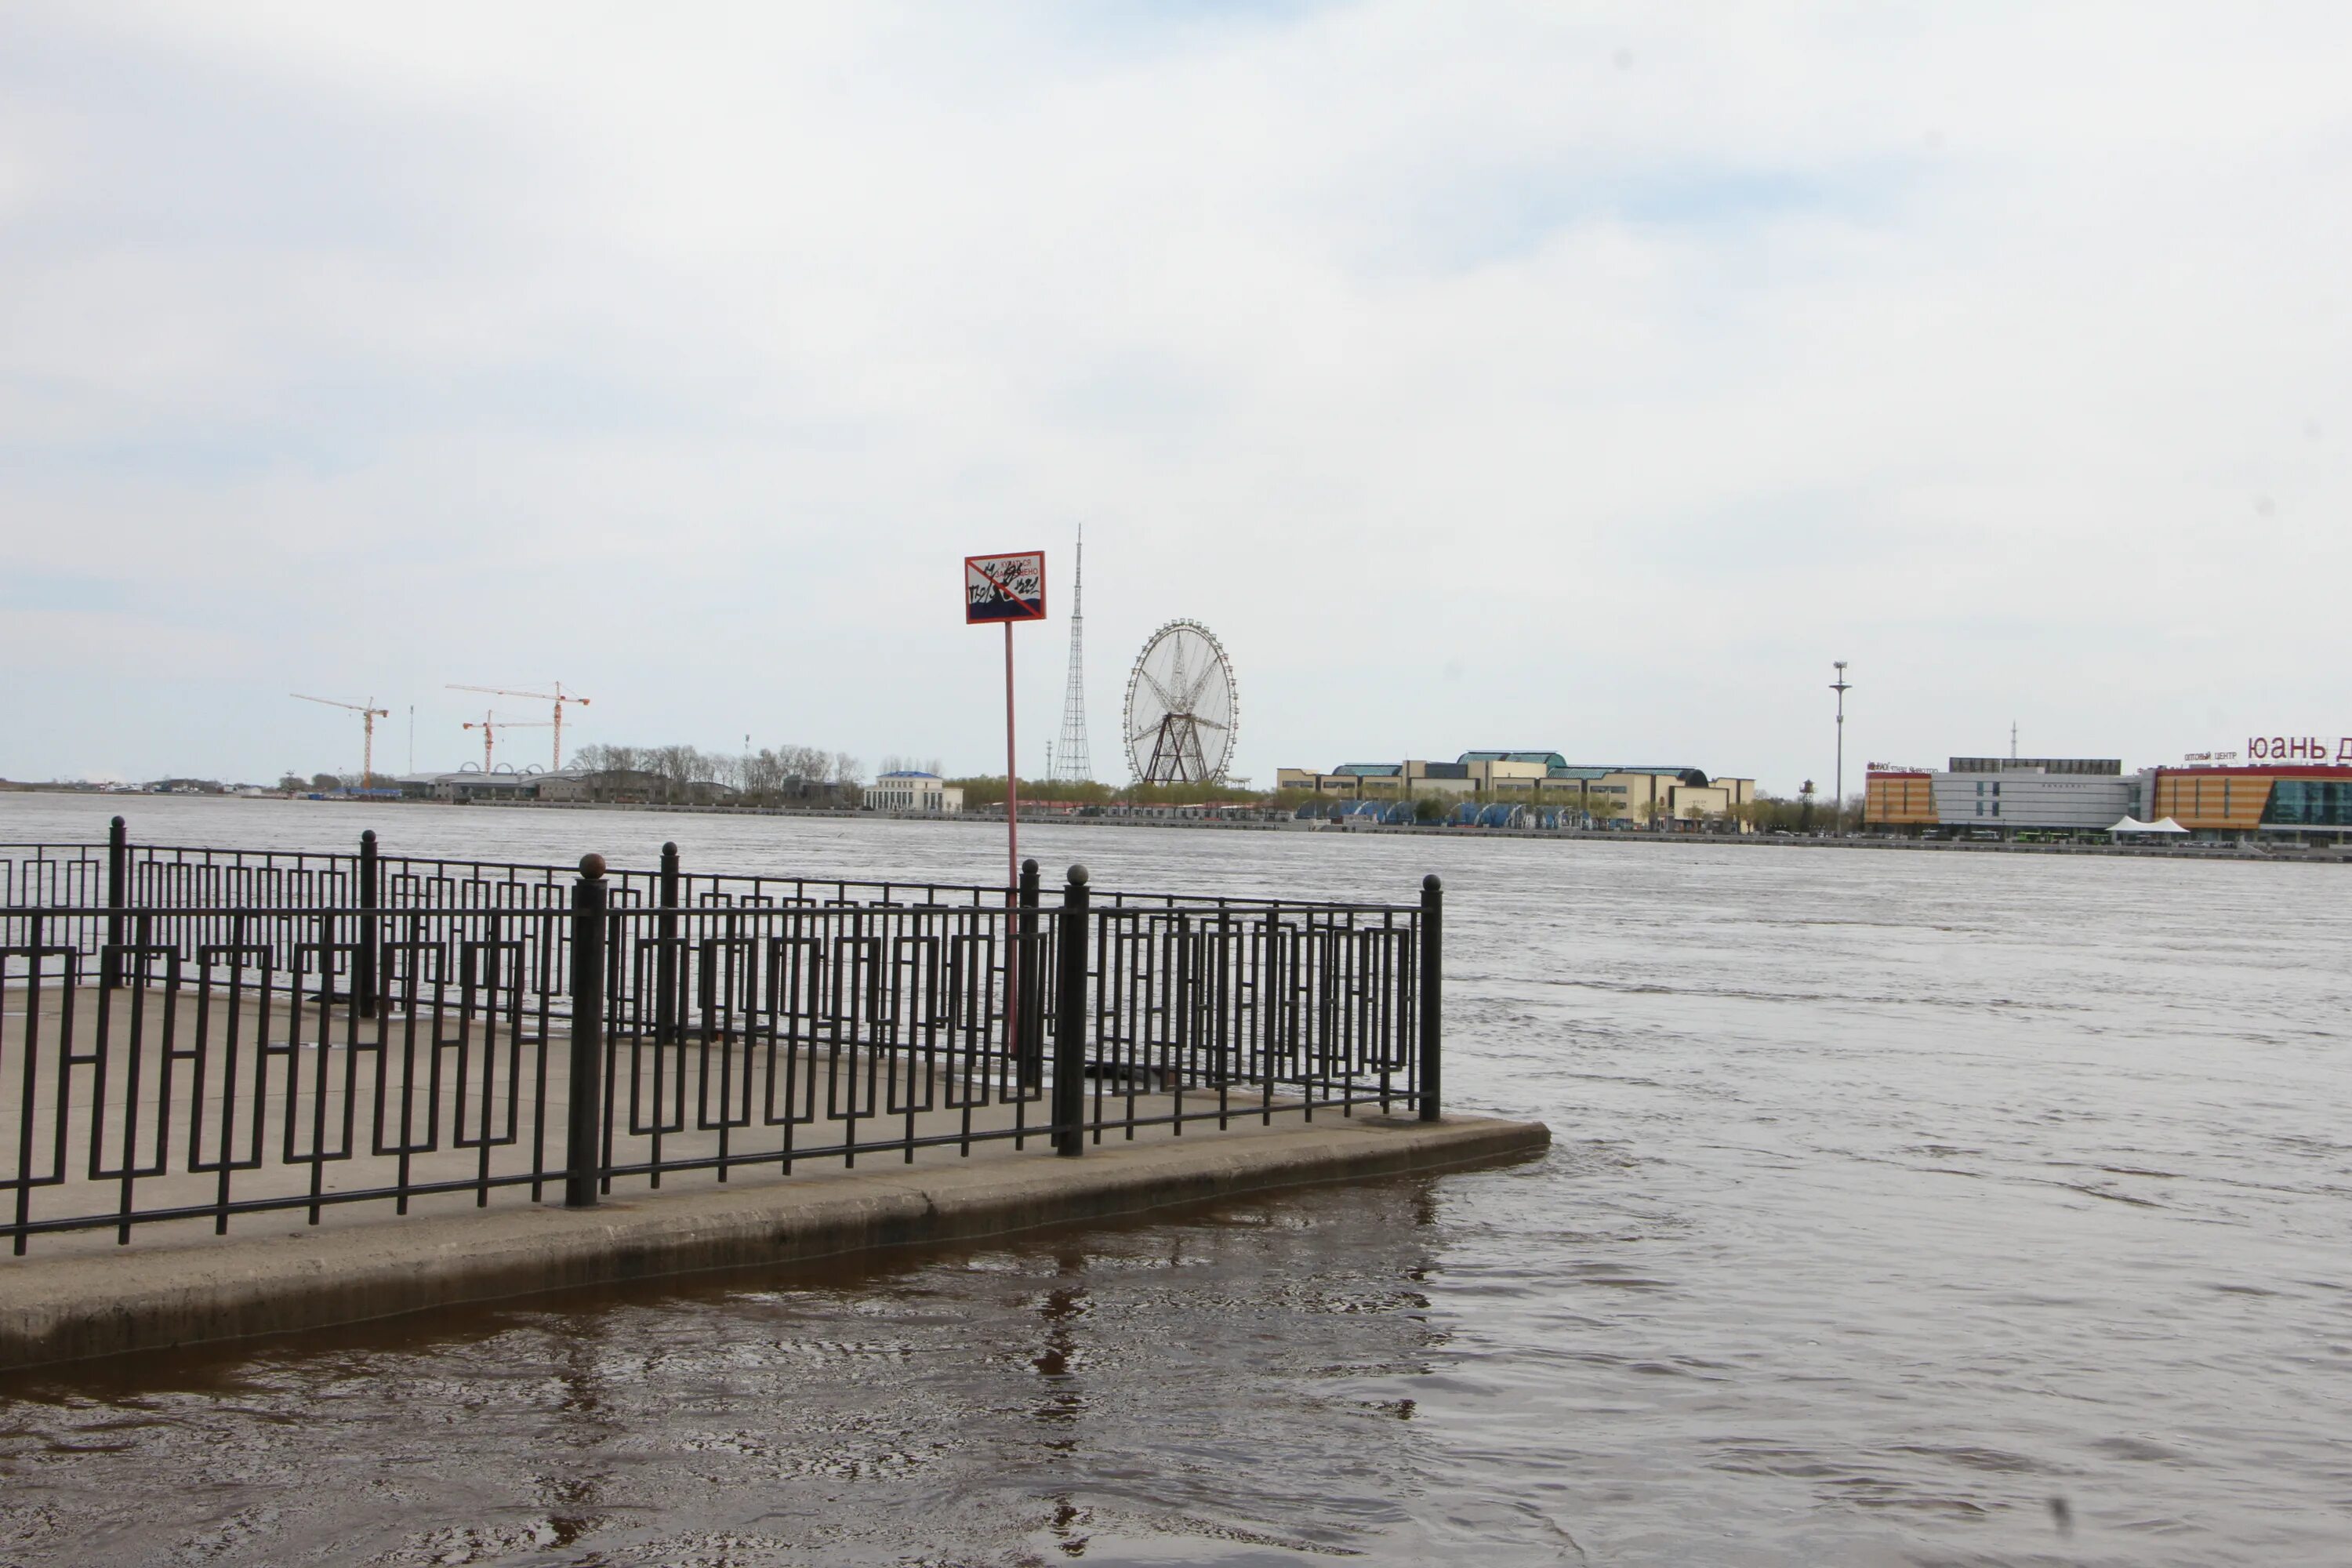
(1905, 1209)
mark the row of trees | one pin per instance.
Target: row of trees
(804, 775)
(1802, 813)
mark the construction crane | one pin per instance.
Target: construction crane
(490, 725)
(558, 697)
(369, 713)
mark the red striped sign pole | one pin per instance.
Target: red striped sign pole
(1012, 776)
(1011, 588)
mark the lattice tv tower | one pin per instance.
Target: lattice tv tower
(1072, 762)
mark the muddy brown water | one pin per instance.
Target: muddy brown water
(1905, 1209)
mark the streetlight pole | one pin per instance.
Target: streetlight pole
(1841, 685)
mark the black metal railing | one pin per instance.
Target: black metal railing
(204, 1059)
(192, 891)
(162, 874)
(176, 876)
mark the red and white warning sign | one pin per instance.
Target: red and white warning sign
(1008, 587)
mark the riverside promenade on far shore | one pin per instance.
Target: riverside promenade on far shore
(280, 1274)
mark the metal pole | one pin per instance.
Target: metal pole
(586, 1123)
(1028, 1036)
(1011, 847)
(1840, 686)
(118, 898)
(665, 1007)
(1070, 1020)
(1432, 981)
(363, 974)
(1012, 775)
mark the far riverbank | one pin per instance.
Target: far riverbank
(2287, 853)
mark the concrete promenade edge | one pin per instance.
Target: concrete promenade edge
(77, 1307)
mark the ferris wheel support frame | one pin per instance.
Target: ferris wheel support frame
(1179, 737)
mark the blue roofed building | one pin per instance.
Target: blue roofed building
(1649, 795)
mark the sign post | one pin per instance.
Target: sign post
(1008, 588)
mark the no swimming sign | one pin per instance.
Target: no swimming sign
(1006, 587)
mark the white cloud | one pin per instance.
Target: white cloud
(1494, 374)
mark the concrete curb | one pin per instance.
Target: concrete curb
(73, 1308)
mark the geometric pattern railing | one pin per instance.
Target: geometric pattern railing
(207, 1059)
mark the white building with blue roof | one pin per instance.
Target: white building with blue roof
(908, 790)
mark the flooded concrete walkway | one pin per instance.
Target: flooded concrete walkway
(86, 1303)
(190, 1101)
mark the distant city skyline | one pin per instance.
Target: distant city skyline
(1489, 376)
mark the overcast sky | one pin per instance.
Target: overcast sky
(1527, 376)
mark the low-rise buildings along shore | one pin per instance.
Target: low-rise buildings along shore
(610, 786)
(1606, 794)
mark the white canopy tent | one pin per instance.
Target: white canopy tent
(2133, 825)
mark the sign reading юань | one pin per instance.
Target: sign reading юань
(2297, 749)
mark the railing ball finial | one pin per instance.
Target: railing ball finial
(119, 824)
(1078, 874)
(368, 835)
(1430, 883)
(1029, 865)
(592, 866)
(671, 847)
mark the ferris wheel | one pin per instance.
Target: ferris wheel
(1184, 713)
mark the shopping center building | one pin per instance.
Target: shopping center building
(2003, 796)
(2312, 800)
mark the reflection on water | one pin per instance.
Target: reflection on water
(1230, 1385)
(1907, 1209)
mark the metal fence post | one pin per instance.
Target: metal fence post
(365, 990)
(584, 1141)
(665, 1007)
(1028, 996)
(118, 898)
(1070, 1019)
(1433, 982)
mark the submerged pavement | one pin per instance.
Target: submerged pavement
(280, 1274)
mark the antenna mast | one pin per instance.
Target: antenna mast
(1072, 762)
(1841, 685)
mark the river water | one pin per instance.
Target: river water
(1905, 1208)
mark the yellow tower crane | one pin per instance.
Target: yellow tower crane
(558, 697)
(490, 725)
(369, 713)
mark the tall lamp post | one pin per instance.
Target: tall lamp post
(1841, 685)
